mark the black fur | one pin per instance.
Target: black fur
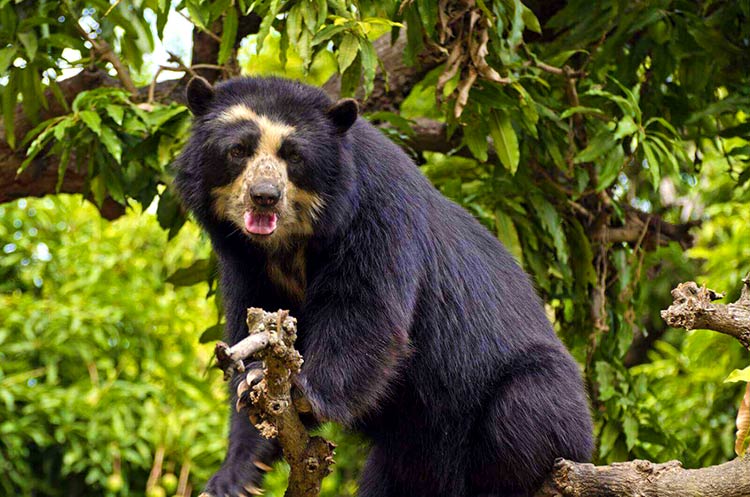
(417, 326)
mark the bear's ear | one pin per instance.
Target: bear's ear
(199, 95)
(343, 113)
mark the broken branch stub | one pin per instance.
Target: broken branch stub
(271, 409)
(693, 308)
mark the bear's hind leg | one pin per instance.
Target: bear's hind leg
(375, 480)
(409, 471)
(538, 414)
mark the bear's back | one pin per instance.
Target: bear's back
(477, 309)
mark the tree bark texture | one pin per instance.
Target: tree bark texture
(693, 308)
(646, 479)
(272, 410)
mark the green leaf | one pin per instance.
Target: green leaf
(30, 44)
(428, 11)
(403, 125)
(610, 168)
(552, 224)
(112, 143)
(112, 180)
(64, 160)
(583, 262)
(507, 233)
(506, 142)
(9, 100)
(39, 137)
(198, 13)
(62, 127)
(92, 120)
(560, 58)
(625, 127)
(625, 105)
(347, 52)
(198, 272)
(608, 438)
(7, 55)
(476, 140)
(212, 333)
(161, 115)
(351, 77)
(328, 32)
(530, 20)
(168, 211)
(739, 375)
(369, 64)
(228, 35)
(605, 378)
(294, 23)
(667, 125)
(630, 427)
(265, 24)
(309, 17)
(98, 189)
(414, 31)
(653, 164)
(579, 109)
(602, 143)
(116, 112)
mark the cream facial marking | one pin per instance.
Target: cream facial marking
(297, 209)
(272, 133)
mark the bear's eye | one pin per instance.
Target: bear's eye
(293, 157)
(237, 152)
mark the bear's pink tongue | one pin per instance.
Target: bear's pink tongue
(260, 223)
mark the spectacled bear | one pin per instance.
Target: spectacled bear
(417, 327)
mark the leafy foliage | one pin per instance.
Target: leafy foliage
(566, 121)
(99, 367)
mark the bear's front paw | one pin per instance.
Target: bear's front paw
(235, 481)
(245, 382)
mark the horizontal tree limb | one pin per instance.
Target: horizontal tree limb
(640, 478)
(693, 308)
(40, 178)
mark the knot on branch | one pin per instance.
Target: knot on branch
(691, 302)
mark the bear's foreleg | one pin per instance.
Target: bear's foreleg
(355, 330)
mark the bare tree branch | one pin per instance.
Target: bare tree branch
(273, 411)
(647, 479)
(693, 308)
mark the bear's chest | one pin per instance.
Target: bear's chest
(287, 272)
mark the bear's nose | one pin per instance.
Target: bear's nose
(265, 194)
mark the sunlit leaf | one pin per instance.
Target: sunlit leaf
(505, 140)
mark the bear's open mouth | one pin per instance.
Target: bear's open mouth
(260, 223)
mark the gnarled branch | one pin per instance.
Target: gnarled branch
(273, 411)
(693, 308)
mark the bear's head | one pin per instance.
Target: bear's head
(268, 158)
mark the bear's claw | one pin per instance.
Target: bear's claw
(252, 375)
